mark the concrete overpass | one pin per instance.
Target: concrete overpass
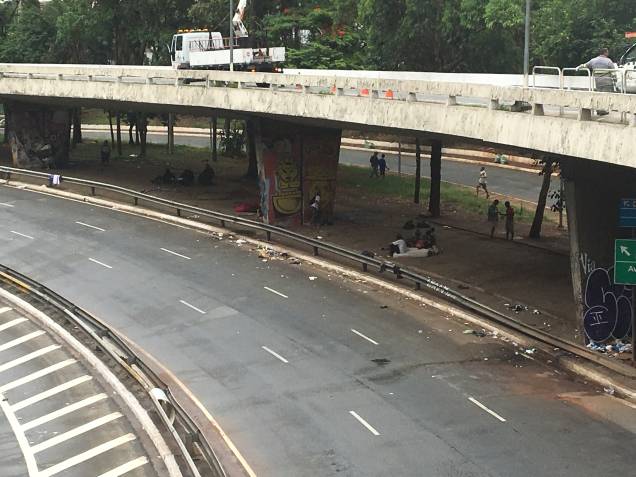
(298, 118)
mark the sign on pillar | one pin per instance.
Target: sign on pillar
(625, 262)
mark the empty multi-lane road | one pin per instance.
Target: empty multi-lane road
(309, 373)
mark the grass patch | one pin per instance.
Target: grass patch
(453, 197)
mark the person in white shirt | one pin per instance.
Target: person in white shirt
(482, 182)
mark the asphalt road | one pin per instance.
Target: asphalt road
(316, 376)
(509, 182)
(70, 424)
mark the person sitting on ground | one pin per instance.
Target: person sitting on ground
(186, 178)
(104, 152)
(167, 178)
(207, 175)
(399, 246)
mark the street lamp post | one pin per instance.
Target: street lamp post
(231, 35)
(526, 46)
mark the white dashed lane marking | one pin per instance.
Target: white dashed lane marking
(275, 354)
(22, 235)
(275, 292)
(91, 226)
(175, 253)
(99, 263)
(192, 307)
(369, 427)
(4, 204)
(480, 405)
(364, 336)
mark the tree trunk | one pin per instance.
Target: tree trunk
(535, 230)
(418, 170)
(77, 127)
(118, 134)
(171, 133)
(7, 124)
(213, 132)
(112, 134)
(434, 200)
(252, 167)
(142, 130)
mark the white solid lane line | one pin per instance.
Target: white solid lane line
(28, 357)
(125, 468)
(50, 392)
(4, 309)
(63, 412)
(99, 263)
(192, 306)
(84, 456)
(364, 423)
(20, 340)
(364, 336)
(77, 431)
(91, 226)
(21, 235)
(274, 353)
(6, 205)
(12, 323)
(36, 375)
(276, 292)
(492, 413)
(175, 253)
(29, 458)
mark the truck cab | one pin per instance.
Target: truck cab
(186, 42)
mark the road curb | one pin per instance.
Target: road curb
(568, 362)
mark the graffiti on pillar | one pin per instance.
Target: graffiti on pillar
(287, 198)
(608, 306)
(320, 167)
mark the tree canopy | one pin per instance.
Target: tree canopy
(414, 35)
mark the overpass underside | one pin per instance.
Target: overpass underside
(298, 120)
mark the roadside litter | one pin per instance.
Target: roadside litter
(616, 348)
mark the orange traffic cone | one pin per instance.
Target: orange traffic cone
(389, 94)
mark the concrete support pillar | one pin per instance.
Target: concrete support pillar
(39, 136)
(213, 136)
(294, 164)
(592, 196)
(537, 109)
(434, 201)
(585, 114)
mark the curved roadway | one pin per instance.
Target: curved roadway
(316, 376)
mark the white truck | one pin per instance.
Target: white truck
(627, 63)
(202, 49)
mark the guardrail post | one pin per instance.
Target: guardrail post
(60, 76)
(207, 82)
(305, 89)
(537, 109)
(493, 105)
(273, 87)
(178, 212)
(451, 101)
(92, 190)
(118, 79)
(365, 267)
(339, 91)
(418, 286)
(373, 94)
(315, 251)
(223, 223)
(90, 77)
(411, 98)
(269, 236)
(149, 80)
(585, 114)
(29, 75)
(136, 200)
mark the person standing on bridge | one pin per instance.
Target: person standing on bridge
(375, 163)
(603, 81)
(482, 182)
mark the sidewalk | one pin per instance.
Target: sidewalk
(492, 271)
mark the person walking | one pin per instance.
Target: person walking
(510, 221)
(493, 217)
(482, 182)
(375, 163)
(104, 152)
(382, 165)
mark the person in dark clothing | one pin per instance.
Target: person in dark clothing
(375, 163)
(510, 221)
(186, 178)
(104, 152)
(168, 177)
(493, 217)
(382, 165)
(206, 176)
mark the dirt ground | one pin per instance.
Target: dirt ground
(497, 272)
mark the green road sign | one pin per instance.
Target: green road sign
(625, 262)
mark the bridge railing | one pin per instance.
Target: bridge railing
(319, 246)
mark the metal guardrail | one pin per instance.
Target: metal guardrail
(381, 266)
(618, 77)
(158, 391)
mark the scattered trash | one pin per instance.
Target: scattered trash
(617, 347)
(479, 333)
(609, 390)
(536, 312)
(294, 261)
(530, 351)
(419, 331)
(240, 241)
(381, 361)
(319, 237)
(516, 307)
(312, 278)
(384, 306)
(468, 332)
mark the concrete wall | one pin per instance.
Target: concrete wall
(592, 193)
(295, 163)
